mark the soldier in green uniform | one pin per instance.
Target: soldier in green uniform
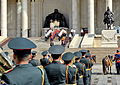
(45, 60)
(24, 73)
(81, 68)
(88, 56)
(86, 62)
(56, 71)
(71, 70)
(33, 61)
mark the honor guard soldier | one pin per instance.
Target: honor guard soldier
(88, 56)
(71, 70)
(56, 71)
(85, 61)
(45, 60)
(33, 61)
(81, 68)
(24, 73)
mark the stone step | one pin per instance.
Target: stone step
(87, 41)
(75, 43)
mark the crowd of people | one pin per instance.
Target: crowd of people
(57, 67)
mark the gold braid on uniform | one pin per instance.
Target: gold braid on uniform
(2, 82)
(66, 74)
(41, 68)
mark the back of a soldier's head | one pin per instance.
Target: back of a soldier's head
(21, 48)
(22, 54)
(56, 51)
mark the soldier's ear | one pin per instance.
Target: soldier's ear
(30, 57)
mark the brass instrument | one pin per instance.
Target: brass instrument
(5, 62)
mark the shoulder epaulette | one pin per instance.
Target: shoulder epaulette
(74, 66)
(3, 82)
(9, 70)
(40, 66)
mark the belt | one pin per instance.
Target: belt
(81, 76)
(71, 84)
(88, 69)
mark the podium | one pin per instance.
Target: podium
(109, 38)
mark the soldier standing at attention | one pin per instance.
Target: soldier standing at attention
(85, 61)
(45, 60)
(71, 70)
(81, 68)
(89, 69)
(56, 71)
(33, 61)
(24, 73)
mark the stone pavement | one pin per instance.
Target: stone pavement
(99, 79)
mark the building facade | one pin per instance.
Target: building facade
(25, 18)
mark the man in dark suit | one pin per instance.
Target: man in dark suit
(24, 73)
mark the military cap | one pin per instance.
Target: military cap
(44, 53)
(83, 51)
(88, 54)
(68, 56)
(20, 43)
(77, 54)
(56, 49)
(34, 52)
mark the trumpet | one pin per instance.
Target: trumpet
(5, 62)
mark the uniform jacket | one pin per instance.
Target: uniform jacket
(25, 74)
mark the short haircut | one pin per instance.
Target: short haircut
(55, 56)
(67, 62)
(77, 58)
(83, 53)
(22, 54)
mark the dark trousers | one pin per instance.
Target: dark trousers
(118, 68)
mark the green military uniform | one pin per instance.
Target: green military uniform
(86, 62)
(88, 56)
(44, 61)
(24, 74)
(33, 61)
(71, 70)
(56, 71)
(81, 69)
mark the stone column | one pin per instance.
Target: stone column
(75, 18)
(33, 33)
(19, 18)
(91, 16)
(24, 19)
(4, 18)
(109, 4)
